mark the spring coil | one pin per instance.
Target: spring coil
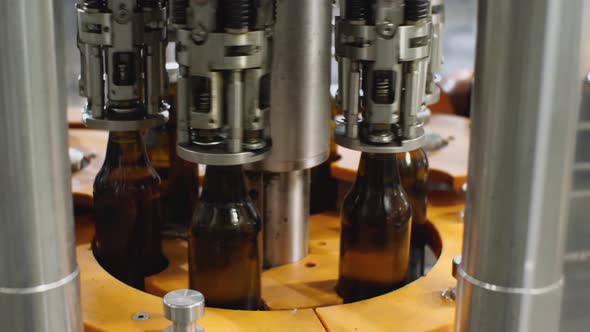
(383, 86)
(237, 14)
(382, 89)
(204, 102)
(416, 9)
(358, 10)
(178, 12)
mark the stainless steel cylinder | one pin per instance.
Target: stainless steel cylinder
(39, 284)
(235, 109)
(525, 100)
(300, 85)
(184, 307)
(285, 217)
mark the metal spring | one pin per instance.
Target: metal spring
(358, 10)
(179, 12)
(237, 14)
(416, 9)
(382, 89)
(398, 131)
(204, 102)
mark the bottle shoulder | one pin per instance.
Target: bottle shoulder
(223, 216)
(136, 176)
(390, 206)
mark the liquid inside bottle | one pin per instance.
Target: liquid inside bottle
(180, 178)
(225, 248)
(376, 230)
(413, 169)
(128, 215)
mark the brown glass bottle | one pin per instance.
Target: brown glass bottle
(225, 248)
(376, 228)
(180, 178)
(128, 217)
(413, 169)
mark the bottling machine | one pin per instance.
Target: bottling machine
(254, 90)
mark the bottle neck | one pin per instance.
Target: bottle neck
(377, 173)
(126, 148)
(224, 184)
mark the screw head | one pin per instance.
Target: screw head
(199, 35)
(386, 30)
(122, 16)
(184, 305)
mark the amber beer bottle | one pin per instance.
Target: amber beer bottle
(413, 169)
(225, 248)
(128, 217)
(180, 178)
(375, 235)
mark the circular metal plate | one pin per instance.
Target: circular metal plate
(220, 157)
(394, 147)
(120, 125)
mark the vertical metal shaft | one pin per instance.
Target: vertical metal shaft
(184, 327)
(353, 101)
(286, 214)
(300, 85)
(39, 284)
(299, 124)
(525, 100)
(155, 73)
(182, 121)
(94, 85)
(235, 109)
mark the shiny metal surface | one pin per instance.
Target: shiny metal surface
(525, 104)
(124, 42)
(223, 90)
(39, 285)
(184, 307)
(388, 49)
(194, 155)
(342, 139)
(576, 295)
(150, 121)
(300, 83)
(285, 217)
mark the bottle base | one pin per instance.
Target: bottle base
(352, 290)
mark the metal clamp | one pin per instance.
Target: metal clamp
(122, 45)
(383, 52)
(224, 84)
